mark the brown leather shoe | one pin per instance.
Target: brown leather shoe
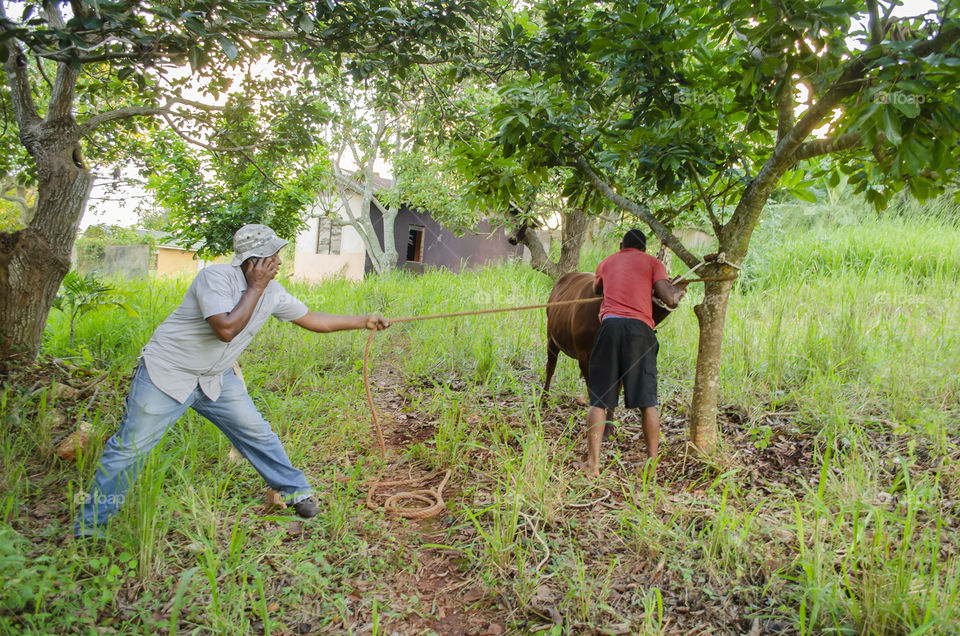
(307, 508)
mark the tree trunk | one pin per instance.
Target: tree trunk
(734, 241)
(539, 258)
(389, 257)
(383, 256)
(34, 260)
(573, 234)
(711, 314)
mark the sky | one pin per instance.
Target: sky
(118, 206)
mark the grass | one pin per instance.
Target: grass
(830, 509)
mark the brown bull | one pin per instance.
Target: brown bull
(571, 329)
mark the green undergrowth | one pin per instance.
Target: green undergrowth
(831, 507)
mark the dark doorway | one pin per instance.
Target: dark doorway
(415, 244)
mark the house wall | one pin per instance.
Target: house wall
(315, 267)
(171, 261)
(308, 265)
(129, 261)
(443, 248)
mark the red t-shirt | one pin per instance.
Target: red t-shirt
(626, 281)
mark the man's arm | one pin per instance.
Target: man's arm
(669, 293)
(325, 323)
(228, 325)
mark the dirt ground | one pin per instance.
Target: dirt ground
(444, 582)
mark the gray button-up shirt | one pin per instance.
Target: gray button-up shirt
(184, 350)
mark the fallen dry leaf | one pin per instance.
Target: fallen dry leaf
(77, 441)
(544, 594)
(65, 392)
(273, 607)
(273, 499)
(234, 456)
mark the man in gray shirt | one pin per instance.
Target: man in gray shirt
(188, 363)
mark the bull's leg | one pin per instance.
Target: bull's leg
(553, 351)
(585, 374)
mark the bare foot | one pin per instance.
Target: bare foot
(609, 430)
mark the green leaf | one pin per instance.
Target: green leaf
(891, 125)
(229, 48)
(804, 194)
(306, 23)
(195, 56)
(195, 25)
(906, 104)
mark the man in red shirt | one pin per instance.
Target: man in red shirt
(625, 350)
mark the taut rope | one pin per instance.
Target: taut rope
(459, 314)
(434, 496)
(431, 496)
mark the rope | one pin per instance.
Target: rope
(706, 279)
(433, 497)
(477, 312)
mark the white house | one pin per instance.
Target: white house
(324, 249)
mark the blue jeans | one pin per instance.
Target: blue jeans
(148, 415)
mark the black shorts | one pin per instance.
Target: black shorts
(624, 353)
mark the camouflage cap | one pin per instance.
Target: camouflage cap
(255, 239)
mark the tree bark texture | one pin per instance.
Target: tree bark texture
(34, 260)
(711, 315)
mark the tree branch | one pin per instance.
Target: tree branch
(640, 211)
(826, 146)
(60, 56)
(876, 30)
(140, 111)
(24, 110)
(61, 95)
(121, 113)
(707, 203)
(20, 202)
(785, 103)
(851, 81)
(43, 73)
(60, 106)
(218, 149)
